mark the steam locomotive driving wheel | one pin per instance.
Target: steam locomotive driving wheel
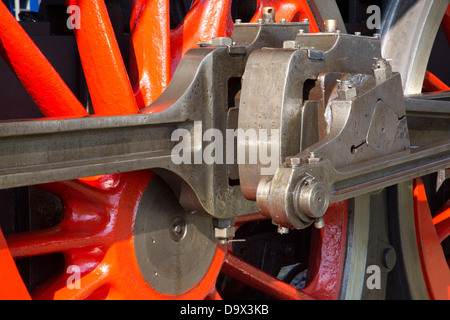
(149, 203)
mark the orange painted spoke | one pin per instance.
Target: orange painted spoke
(65, 288)
(443, 214)
(104, 69)
(252, 276)
(11, 284)
(434, 264)
(150, 70)
(205, 20)
(39, 78)
(432, 83)
(442, 222)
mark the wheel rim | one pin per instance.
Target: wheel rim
(418, 243)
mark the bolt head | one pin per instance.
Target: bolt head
(382, 69)
(347, 90)
(330, 25)
(282, 230)
(319, 223)
(294, 162)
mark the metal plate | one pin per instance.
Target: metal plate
(173, 247)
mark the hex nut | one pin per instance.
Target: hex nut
(224, 233)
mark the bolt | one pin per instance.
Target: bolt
(319, 223)
(377, 35)
(224, 234)
(312, 159)
(237, 21)
(223, 242)
(330, 26)
(305, 20)
(346, 89)
(294, 162)
(268, 14)
(382, 69)
(177, 228)
(260, 21)
(283, 20)
(357, 33)
(282, 230)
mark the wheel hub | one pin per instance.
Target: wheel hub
(173, 247)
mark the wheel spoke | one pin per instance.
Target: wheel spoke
(104, 69)
(442, 222)
(434, 264)
(205, 20)
(432, 83)
(11, 284)
(150, 70)
(57, 239)
(93, 275)
(39, 78)
(252, 276)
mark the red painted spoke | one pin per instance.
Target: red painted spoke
(92, 199)
(432, 83)
(434, 264)
(105, 72)
(252, 276)
(39, 78)
(57, 239)
(442, 222)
